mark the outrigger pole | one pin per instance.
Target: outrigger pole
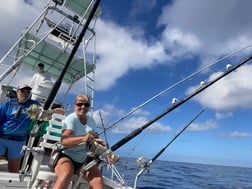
(148, 164)
(174, 106)
(54, 91)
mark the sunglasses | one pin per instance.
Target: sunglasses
(25, 90)
(86, 104)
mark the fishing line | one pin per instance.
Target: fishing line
(177, 83)
(135, 146)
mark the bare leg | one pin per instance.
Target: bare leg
(64, 170)
(94, 178)
(14, 165)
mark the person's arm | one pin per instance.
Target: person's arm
(68, 140)
(3, 109)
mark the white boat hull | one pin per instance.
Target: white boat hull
(12, 180)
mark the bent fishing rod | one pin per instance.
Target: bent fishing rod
(175, 84)
(146, 165)
(174, 106)
(54, 91)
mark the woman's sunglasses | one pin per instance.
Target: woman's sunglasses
(86, 104)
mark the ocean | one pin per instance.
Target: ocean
(177, 175)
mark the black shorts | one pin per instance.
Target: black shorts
(76, 164)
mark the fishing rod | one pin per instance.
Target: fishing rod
(54, 91)
(175, 84)
(146, 165)
(175, 105)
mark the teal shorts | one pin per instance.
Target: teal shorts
(11, 148)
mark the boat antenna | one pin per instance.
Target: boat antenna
(175, 105)
(146, 165)
(177, 83)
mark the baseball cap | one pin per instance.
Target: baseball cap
(24, 86)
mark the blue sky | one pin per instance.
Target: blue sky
(143, 49)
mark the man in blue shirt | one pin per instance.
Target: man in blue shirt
(14, 123)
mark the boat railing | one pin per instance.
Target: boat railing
(61, 34)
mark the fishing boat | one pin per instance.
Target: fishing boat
(63, 37)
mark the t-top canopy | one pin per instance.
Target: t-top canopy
(53, 58)
(80, 7)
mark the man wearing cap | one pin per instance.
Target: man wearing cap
(14, 123)
(39, 77)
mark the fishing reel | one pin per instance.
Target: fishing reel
(142, 163)
(34, 112)
(97, 150)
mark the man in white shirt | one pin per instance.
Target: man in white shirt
(40, 76)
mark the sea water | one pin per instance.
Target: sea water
(177, 175)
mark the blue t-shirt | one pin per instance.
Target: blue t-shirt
(72, 122)
(11, 127)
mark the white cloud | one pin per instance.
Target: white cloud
(236, 134)
(158, 127)
(217, 25)
(119, 52)
(221, 115)
(180, 43)
(137, 122)
(208, 125)
(239, 134)
(111, 114)
(231, 92)
(209, 32)
(16, 16)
